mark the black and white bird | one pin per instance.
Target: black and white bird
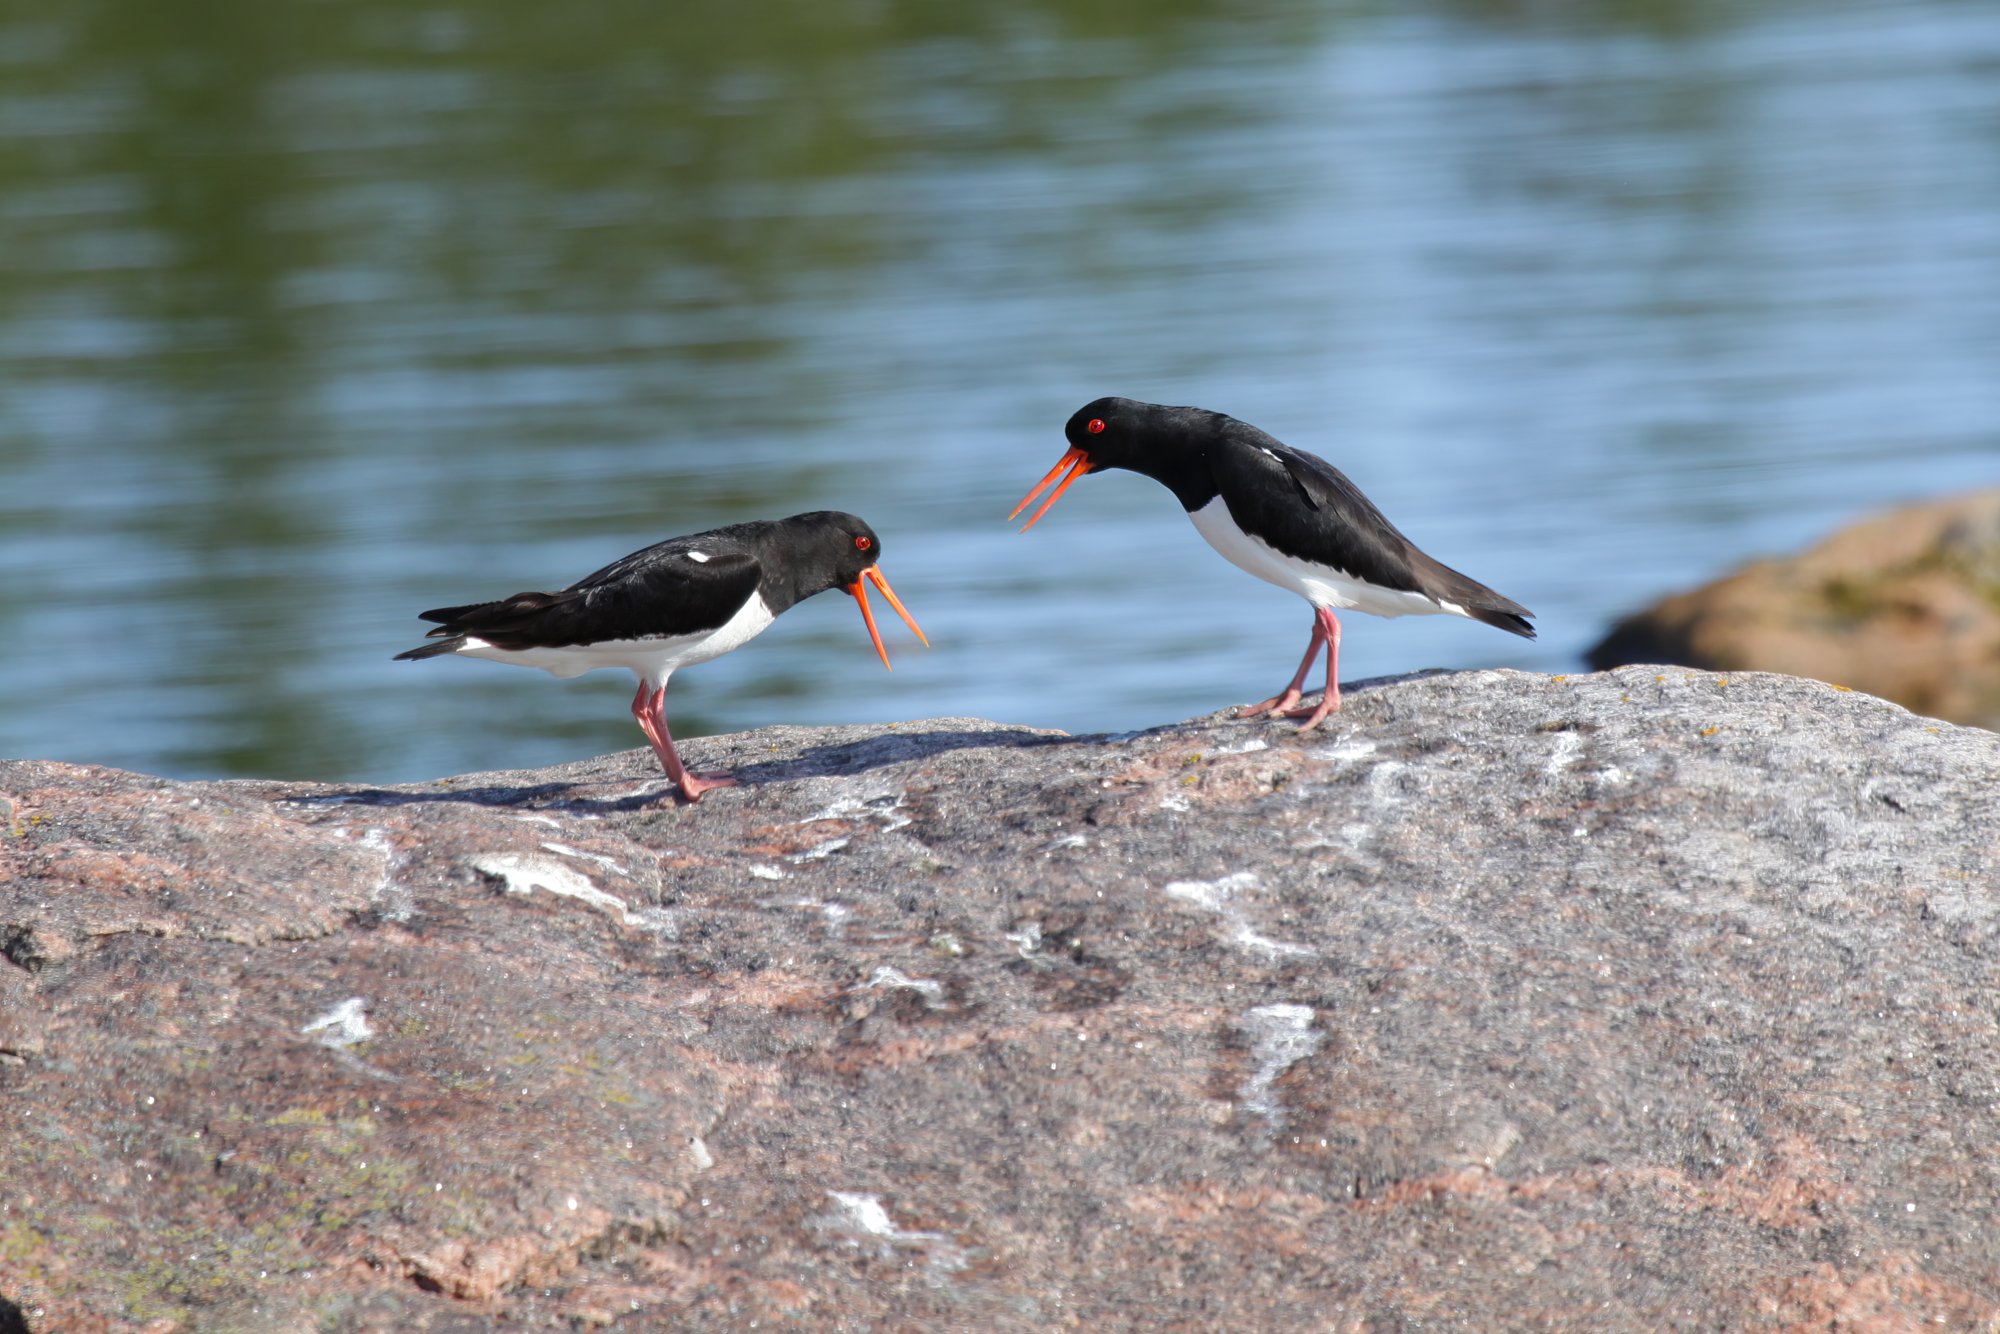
(679, 602)
(1286, 516)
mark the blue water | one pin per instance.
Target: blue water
(309, 321)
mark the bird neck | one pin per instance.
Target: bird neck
(781, 588)
(795, 558)
(1183, 469)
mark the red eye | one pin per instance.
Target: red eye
(863, 543)
(1096, 426)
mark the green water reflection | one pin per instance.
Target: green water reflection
(242, 199)
(311, 315)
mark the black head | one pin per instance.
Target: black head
(828, 549)
(1115, 432)
(1169, 445)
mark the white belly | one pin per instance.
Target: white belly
(652, 660)
(1317, 584)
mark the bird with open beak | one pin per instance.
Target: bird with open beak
(1286, 516)
(679, 602)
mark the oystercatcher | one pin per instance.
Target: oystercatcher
(1288, 517)
(678, 602)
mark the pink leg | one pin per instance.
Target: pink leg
(649, 709)
(1278, 705)
(1330, 703)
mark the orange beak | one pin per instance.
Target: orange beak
(859, 592)
(1078, 464)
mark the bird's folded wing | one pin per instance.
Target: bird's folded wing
(1339, 527)
(663, 591)
(1335, 526)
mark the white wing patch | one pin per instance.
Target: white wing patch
(699, 557)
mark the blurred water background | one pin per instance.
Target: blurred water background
(312, 316)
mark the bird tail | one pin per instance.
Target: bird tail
(1514, 622)
(442, 646)
(496, 623)
(446, 615)
(1444, 584)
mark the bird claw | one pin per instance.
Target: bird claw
(1316, 714)
(693, 785)
(1273, 707)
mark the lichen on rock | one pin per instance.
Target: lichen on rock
(1905, 605)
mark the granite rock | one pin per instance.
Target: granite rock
(1905, 604)
(1646, 1000)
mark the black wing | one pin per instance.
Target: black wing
(665, 590)
(1262, 481)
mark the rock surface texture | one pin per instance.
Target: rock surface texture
(1905, 605)
(1649, 1000)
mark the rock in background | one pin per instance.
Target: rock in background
(1649, 1000)
(1905, 605)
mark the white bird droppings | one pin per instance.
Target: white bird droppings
(895, 979)
(1027, 940)
(885, 807)
(1221, 897)
(1212, 894)
(601, 860)
(863, 1213)
(524, 874)
(840, 808)
(343, 1025)
(1568, 746)
(820, 851)
(396, 902)
(863, 1219)
(1280, 1037)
